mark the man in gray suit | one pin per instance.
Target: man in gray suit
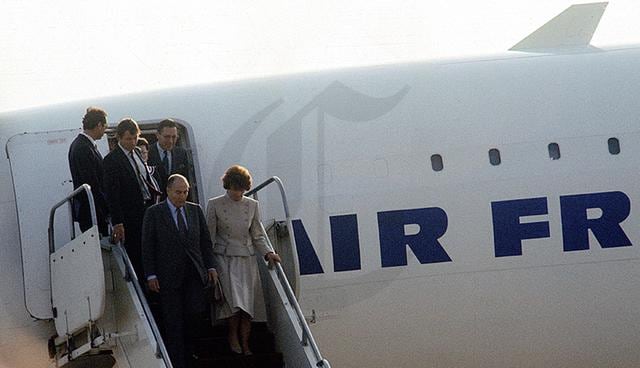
(178, 261)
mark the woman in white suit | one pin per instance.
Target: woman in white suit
(234, 223)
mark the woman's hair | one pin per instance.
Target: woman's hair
(236, 177)
(142, 142)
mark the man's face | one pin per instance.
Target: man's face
(101, 128)
(167, 138)
(97, 132)
(128, 141)
(178, 192)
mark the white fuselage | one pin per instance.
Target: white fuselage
(354, 149)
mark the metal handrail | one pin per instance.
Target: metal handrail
(287, 215)
(254, 192)
(52, 213)
(130, 276)
(307, 337)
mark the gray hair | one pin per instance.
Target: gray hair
(175, 177)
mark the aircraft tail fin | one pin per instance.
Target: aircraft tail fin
(573, 28)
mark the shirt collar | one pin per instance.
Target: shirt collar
(161, 150)
(172, 207)
(123, 149)
(93, 141)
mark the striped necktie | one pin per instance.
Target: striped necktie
(146, 194)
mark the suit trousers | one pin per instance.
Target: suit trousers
(133, 243)
(181, 308)
(82, 214)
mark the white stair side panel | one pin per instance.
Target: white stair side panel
(77, 282)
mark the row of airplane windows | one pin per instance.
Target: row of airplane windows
(437, 163)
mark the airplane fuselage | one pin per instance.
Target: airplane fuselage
(436, 222)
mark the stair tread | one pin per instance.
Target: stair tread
(212, 344)
(265, 360)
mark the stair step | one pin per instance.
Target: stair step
(211, 346)
(214, 342)
(100, 360)
(206, 330)
(267, 360)
(212, 349)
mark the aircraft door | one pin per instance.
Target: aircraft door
(41, 178)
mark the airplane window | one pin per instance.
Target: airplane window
(436, 163)
(614, 146)
(494, 157)
(554, 151)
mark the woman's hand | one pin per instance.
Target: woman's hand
(153, 285)
(117, 234)
(272, 258)
(213, 275)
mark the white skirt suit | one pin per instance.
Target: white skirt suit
(237, 235)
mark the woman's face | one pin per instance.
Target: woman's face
(144, 152)
(235, 193)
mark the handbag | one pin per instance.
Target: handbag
(214, 293)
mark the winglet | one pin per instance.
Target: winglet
(573, 28)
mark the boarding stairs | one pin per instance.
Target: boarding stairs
(77, 293)
(103, 319)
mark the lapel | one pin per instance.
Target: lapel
(191, 220)
(158, 161)
(174, 161)
(124, 160)
(171, 224)
(97, 153)
(146, 168)
(154, 155)
(168, 218)
(91, 146)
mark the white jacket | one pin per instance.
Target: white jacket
(235, 227)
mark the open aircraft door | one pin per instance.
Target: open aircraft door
(41, 178)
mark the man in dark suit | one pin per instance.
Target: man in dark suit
(85, 164)
(165, 156)
(178, 261)
(129, 190)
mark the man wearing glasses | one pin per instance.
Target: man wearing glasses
(166, 157)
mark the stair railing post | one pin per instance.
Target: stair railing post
(307, 338)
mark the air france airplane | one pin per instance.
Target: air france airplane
(463, 213)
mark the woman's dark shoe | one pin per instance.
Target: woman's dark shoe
(235, 348)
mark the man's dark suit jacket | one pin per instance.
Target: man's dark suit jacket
(168, 255)
(180, 262)
(85, 164)
(125, 200)
(180, 164)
